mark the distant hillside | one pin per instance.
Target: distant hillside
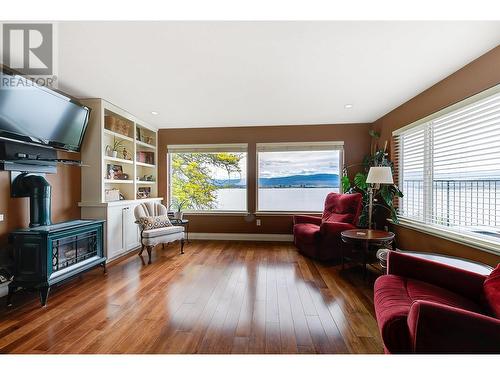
(306, 181)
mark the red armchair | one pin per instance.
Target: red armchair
(319, 237)
(428, 307)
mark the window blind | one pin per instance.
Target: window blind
(449, 168)
(200, 148)
(299, 146)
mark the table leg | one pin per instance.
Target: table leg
(342, 255)
(366, 249)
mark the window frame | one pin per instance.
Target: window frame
(295, 146)
(463, 237)
(220, 147)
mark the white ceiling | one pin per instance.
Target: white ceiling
(202, 74)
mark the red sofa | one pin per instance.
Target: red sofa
(319, 237)
(428, 307)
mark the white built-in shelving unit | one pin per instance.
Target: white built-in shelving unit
(109, 123)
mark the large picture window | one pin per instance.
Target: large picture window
(297, 176)
(208, 177)
(449, 169)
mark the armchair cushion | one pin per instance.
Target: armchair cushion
(492, 292)
(437, 328)
(334, 228)
(306, 219)
(165, 231)
(394, 296)
(465, 283)
(319, 237)
(153, 222)
(307, 233)
(343, 208)
(157, 236)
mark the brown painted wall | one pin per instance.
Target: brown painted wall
(475, 77)
(356, 144)
(66, 194)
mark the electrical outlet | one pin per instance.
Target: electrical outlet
(257, 222)
(1, 217)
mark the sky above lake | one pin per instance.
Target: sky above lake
(287, 163)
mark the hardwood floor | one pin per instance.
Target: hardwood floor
(219, 297)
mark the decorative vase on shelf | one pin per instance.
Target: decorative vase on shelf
(178, 215)
(114, 154)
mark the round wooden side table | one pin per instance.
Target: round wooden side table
(184, 223)
(365, 240)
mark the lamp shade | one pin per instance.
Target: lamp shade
(380, 175)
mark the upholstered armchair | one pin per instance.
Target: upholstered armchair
(319, 237)
(155, 227)
(424, 306)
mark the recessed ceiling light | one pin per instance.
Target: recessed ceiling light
(348, 106)
(154, 113)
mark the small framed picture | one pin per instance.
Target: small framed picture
(143, 192)
(115, 172)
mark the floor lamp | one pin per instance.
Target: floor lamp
(376, 177)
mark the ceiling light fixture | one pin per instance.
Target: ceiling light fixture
(154, 113)
(348, 106)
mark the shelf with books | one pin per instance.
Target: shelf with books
(145, 157)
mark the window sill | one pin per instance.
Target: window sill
(216, 213)
(286, 213)
(483, 244)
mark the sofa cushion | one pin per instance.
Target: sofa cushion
(342, 208)
(393, 298)
(306, 233)
(152, 233)
(492, 291)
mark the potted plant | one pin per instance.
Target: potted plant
(384, 198)
(112, 150)
(177, 206)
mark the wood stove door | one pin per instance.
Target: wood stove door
(29, 257)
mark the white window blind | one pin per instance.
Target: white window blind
(230, 147)
(449, 168)
(300, 146)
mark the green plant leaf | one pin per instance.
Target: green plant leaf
(346, 184)
(360, 181)
(387, 195)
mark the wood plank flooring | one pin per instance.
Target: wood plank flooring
(219, 297)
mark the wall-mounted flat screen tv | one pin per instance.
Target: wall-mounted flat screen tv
(36, 114)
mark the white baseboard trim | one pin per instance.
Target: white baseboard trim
(242, 237)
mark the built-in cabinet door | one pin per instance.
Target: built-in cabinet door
(130, 228)
(114, 231)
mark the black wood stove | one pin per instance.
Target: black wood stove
(47, 255)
